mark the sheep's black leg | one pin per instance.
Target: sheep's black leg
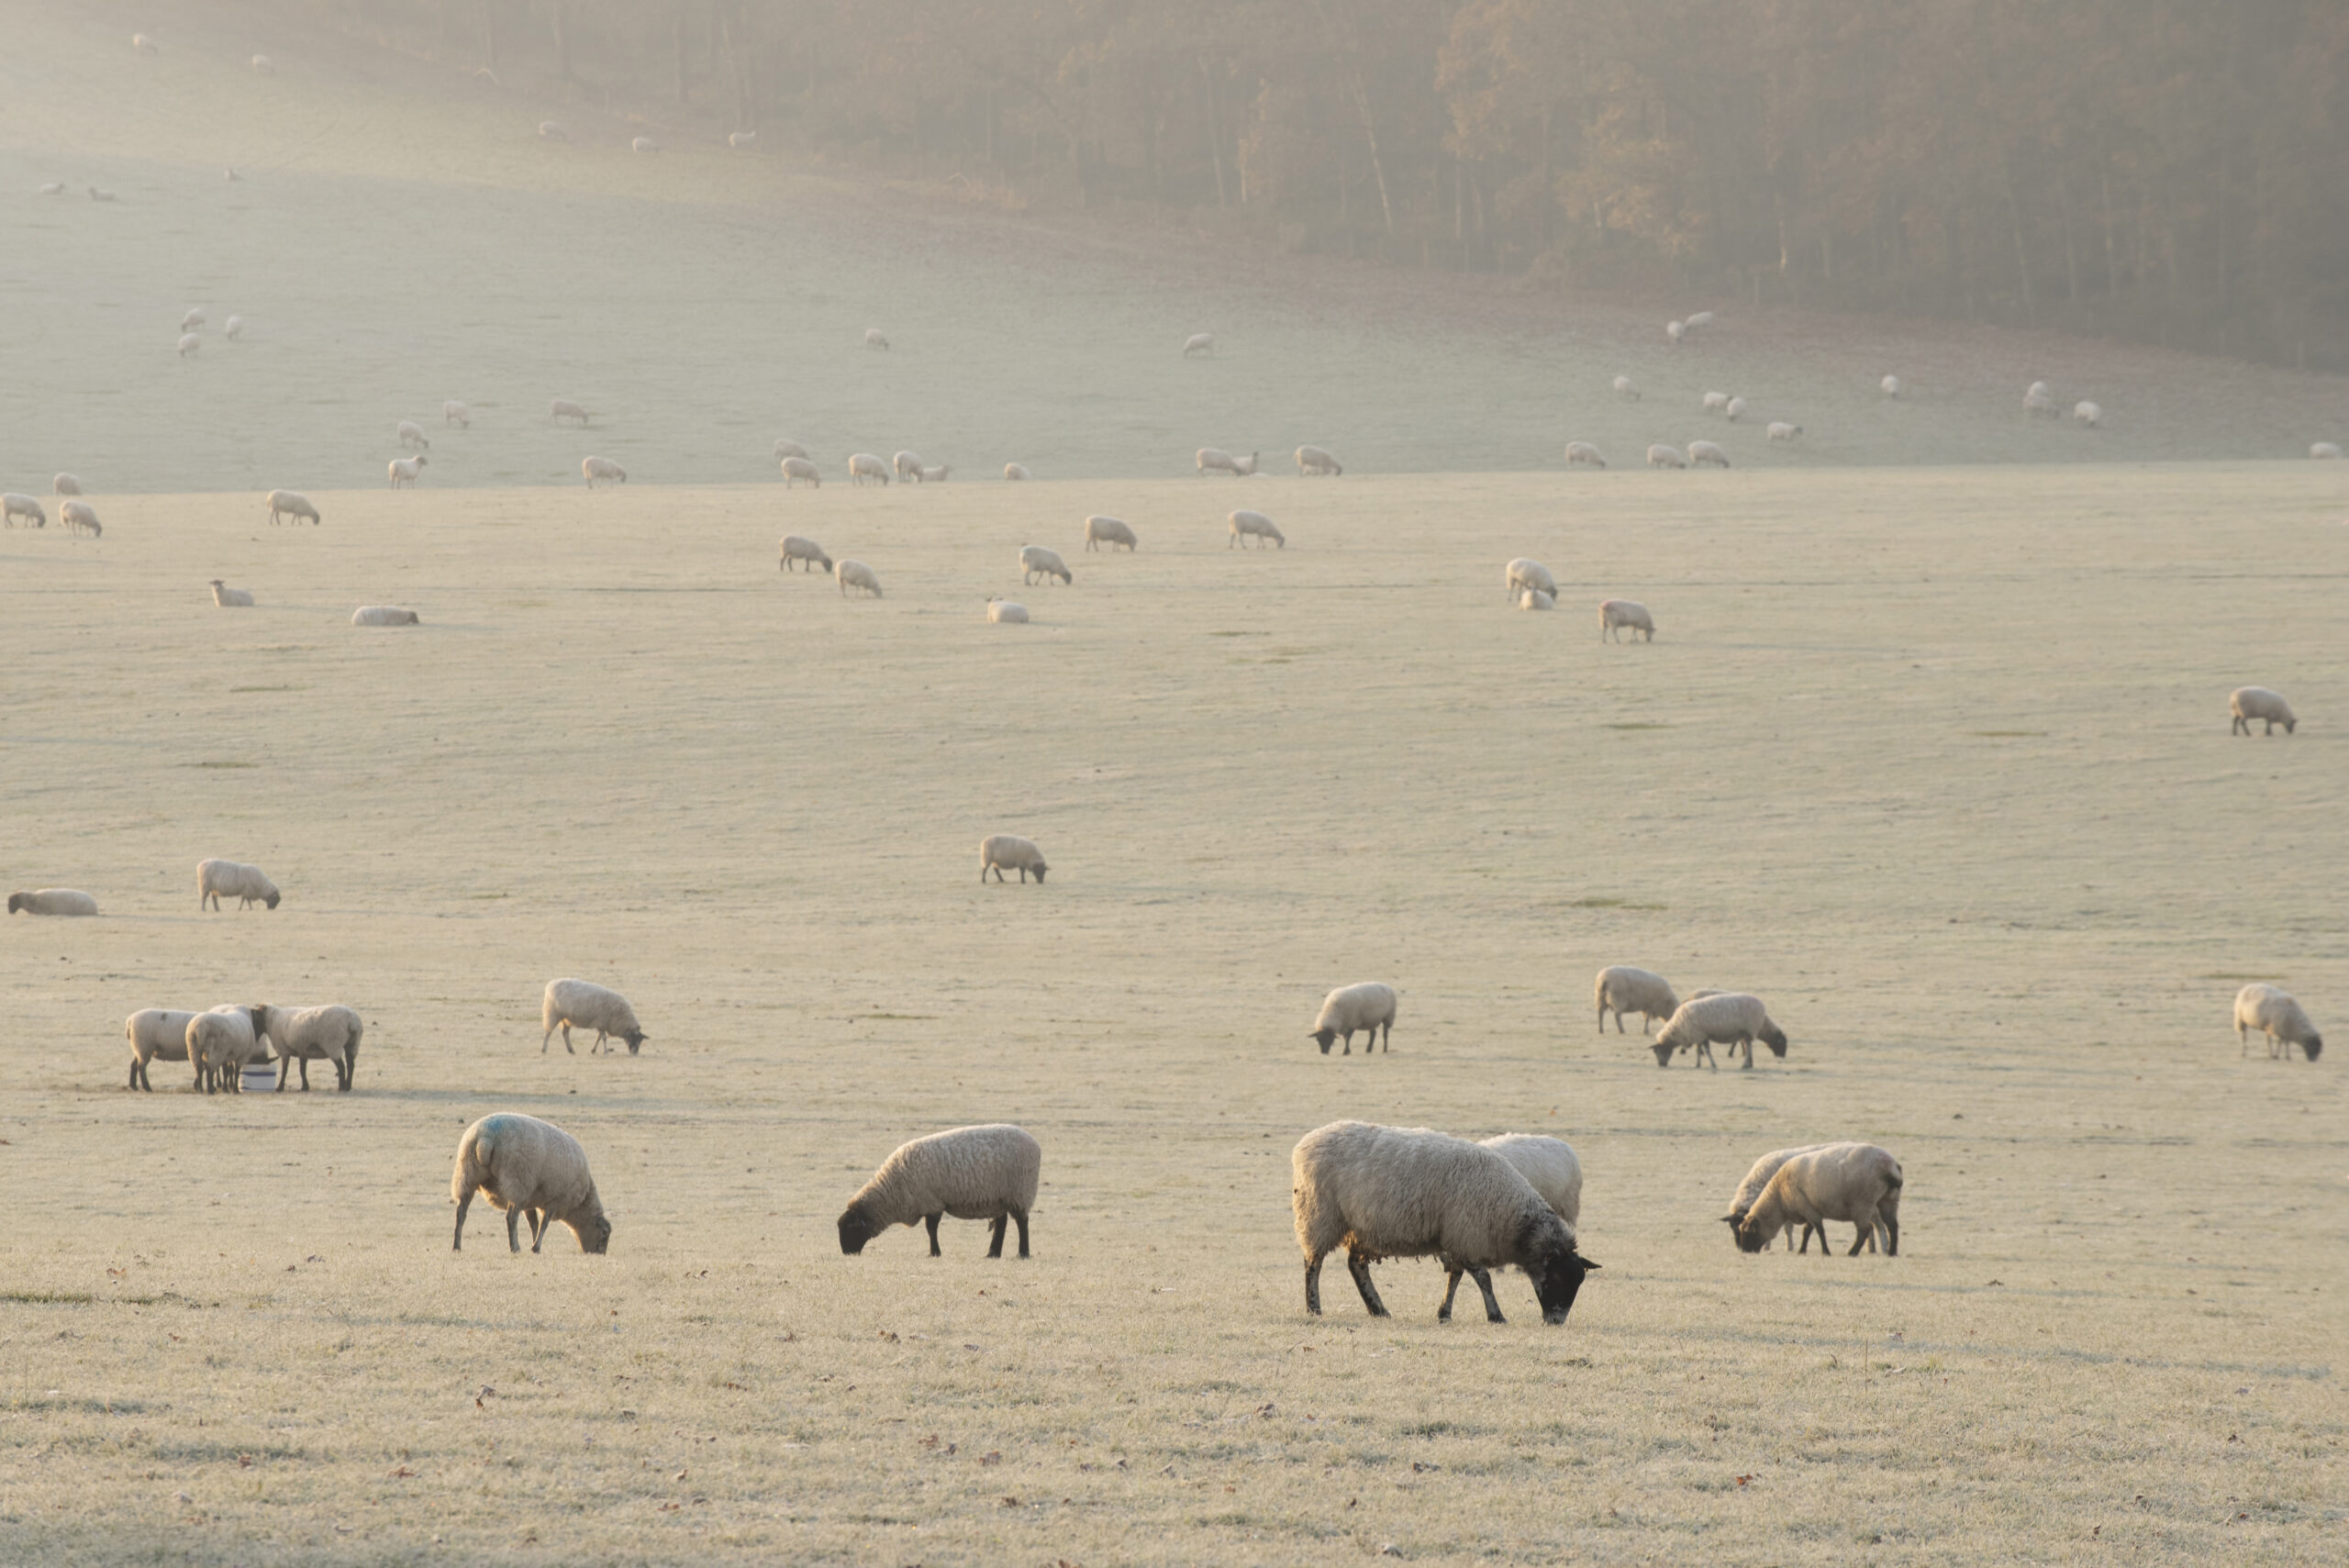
(1492, 1303)
(513, 1242)
(1313, 1286)
(1020, 1215)
(1451, 1284)
(931, 1220)
(1866, 1235)
(995, 1239)
(1359, 1266)
(1386, 1036)
(1891, 1235)
(463, 1204)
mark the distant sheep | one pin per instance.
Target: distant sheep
(1625, 390)
(194, 321)
(1700, 453)
(1662, 456)
(1535, 599)
(1742, 1202)
(220, 1042)
(216, 880)
(643, 144)
(864, 466)
(805, 550)
(1585, 453)
(999, 852)
(1311, 461)
(784, 448)
(563, 408)
(1616, 615)
(1215, 460)
(66, 484)
(1254, 525)
(1549, 1166)
(1007, 612)
(1702, 319)
(1621, 989)
(873, 339)
(1674, 331)
(1782, 431)
(404, 469)
(411, 434)
(1858, 1183)
(985, 1173)
(2250, 703)
(98, 195)
(155, 1034)
(1015, 471)
(2268, 1008)
(291, 503)
(60, 901)
(587, 1006)
(602, 470)
(1716, 401)
(2088, 415)
(144, 44)
(552, 130)
(935, 473)
(1368, 1007)
(858, 575)
(233, 328)
(79, 517)
(528, 1167)
(1736, 409)
(906, 466)
(231, 598)
(2039, 400)
(303, 1035)
(455, 413)
(1889, 386)
(1037, 563)
(26, 506)
(385, 615)
(2325, 451)
(1110, 531)
(1199, 343)
(739, 139)
(796, 469)
(1525, 573)
(189, 343)
(1724, 1018)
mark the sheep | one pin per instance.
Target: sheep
(873, 339)
(216, 879)
(154, 1033)
(1311, 461)
(220, 1042)
(784, 448)
(1015, 471)
(739, 139)
(2325, 451)
(552, 130)
(2268, 1008)
(17, 505)
(972, 1172)
(1036, 564)
(194, 321)
(404, 469)
(1535, 599)
(934, 474)
(291, 503)
(602, 468)
(1216, 459)
(590, 1006)
(1394, 1191)
(1584, 452)
(98, 195)
(856, 574)
(385, 615)
(1757, 1178)
(190, 343)
(233, 328)
(66, 484)
(1625, 390)
(1549, 1166)
(411, 434)
(1007, 612)
(53, 188)
(1662, 456)
(1716, 401)
(1674, 331)
(2248, 703)
(304, 1035)
(1525, 573)
(1614, 615)
(1736, 409)
(79, 517)
(231, 598)
(1624, 989)
(52, 901)
(1199, 343)
(643, 144)
(864, 466)
(1368, 1007)
(1111, 531)
(906, 466)
(1859, 1183)
(804, 550)
(1254, 525)
(1703, 452)
(999, 852)
(2039, 400)
(1720, 1018)
(530, 1167)
(563, 408)
(455, 413)
(2087, 415)
(1782, 431)
(796, 469)
(144, 44)
(1702, 319)
(265, 66)
(1889, 386)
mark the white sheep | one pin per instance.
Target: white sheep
(52, 901)
(1674, 331)
(873, 339)
(1621, 988)
(17, 505)
(455, 413)
(1741, 1201)
(1616, 615)
(1702, 319)
(864, 466)
(1367, 1006)
(2249, 702)
(98, 195)
(935, 473)
(1254, 525)
(1736, 409)
(404, 469)
(2325, 451)
(739, 139)
(144, 44)
(1626, 390)
(1535, 599)
(155, 1034)
(1015, 471)
(66, 484)
(194, 321)
(411, 434)
(972, 1172)
(643, 144)
(856, 574)
(231, 598)
(784, 448)
(1549, 1166)
(1662, 456)
(2270, 1010)
(1311, 461)
(525, 1166)
(1889, 386)
(1112, 532)
(189, 343)
(2039, 400)
(233, 328)
(552, 130)
(1525, 573)
(79, 517)
(999, 852)
(1199, 343)
(1394, 1191)
(265, 66)
(803, 550)
(1215, 460)
(587, 1006)
(1716, 401)
(1586, 453)
(1718, 1017)
(1782, 431)
(304, 1035)
(603, 469)
(906, 466)
(1856, 1182)
(1036, 564)
(220, 1042)
(796, 469)
(53, 188)
(563, 408)
(291, 503)
(1007, 612)
(216, 879)
(2088, 415)
(385, 615)
(1703, 452)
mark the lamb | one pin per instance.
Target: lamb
(563, 408)
(856, 574)
(52, 901)
(1036, 564)
(873, 339)
(643, 144)
(1391, 1191)
(2268, 1008)
(21, 505)
(1625, 390)
(385, 615)
(154, 1033)
(1007, 612)
(1111, 531)
(1368, 1007)
(1703, 452)
(1724, 1018)
(231, 598)
(864, 466)
(2323, 451)
(1525, 573)
(66, 484)
(1662, 456)
(999, 852)
(1782, 431)
(53, 188)
(1199, 343)
(2039, 400)
(1741, 1201)
(233, 328)
(2248, 703)
(1859, 1183)
(220, 1042)
(2088, 415)
(1015, 471)
(528, 1167)
(1311, 461)
(304, 1035)
(784, 448)
(1254, 525)
(590, 1006)
(604, 469)
(1615, 614)
(804, 550)
(1736, 409)
(1535, 599)
(291, 503)
(1216, 459)
(411, 434)
(265, 66)
(216, 880)
(189, 343)
(1889, 386)
(1584, 452)
(79, 517)
(972, 1172)
(404, 469)
(552, 130)
(1716, 401)
(796, 469)
(1624, 989)
(934, 474)
(741, 138)
(906, 466)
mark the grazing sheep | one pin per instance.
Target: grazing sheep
(1395, 1192)
(1525, 573)
(1101, 530)
(604, 469)
(21, 505)
(1614, 615)
(231, 598)
(1716, 401)
(194, 321)
(291, 503)
(1311, 461)
(189, 343)
(1199, 343)
(796, 469)
(1858, 1183)
(1006, 612)
(2088, 415)
(864, 466)
(1620, 988)
(98, 195)
(216, 880)
(1889, 386)
(934, 474)
(265, 66)
(404, 469)
(1549, 1166)
(385, 615)
(2039, 400)
(2248, 703)
(220, 1042)
(972, 1172)
(411, 434)
(999, 852)
(1535, 599)
(304, 1035)
(552, 130)
(1741, 1201)
(525, 1166)
(803, 550)
(1625, 390)
(79, 517)
(1254, 525)
(1782, 431)
(1722, 1017)
(1702, 319)
(1015, 471)
(1703, 452)
(1736, 409)
(66, 484)
(2323, 451)
(52, 901)
(1215, 460)
(1584, 452)
(873, 339)
(1036, 564)
(563, 408)
(590, 1006)
(741, 138)
(856, 574)
(1662, 456)
(906, 466)
(154, 1033)
(1675, 331)
(455, 413)
(233, 328)
(144, 44)
(2268, 1008)
(1368, 1007)
(784, 448)
(643, 144)
(53, 188)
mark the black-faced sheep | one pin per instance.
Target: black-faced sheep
(972, 1172)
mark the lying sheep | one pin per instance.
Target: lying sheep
(604, 469)
(1215, 460)
(590, 1006)
(972, 1172)
(1254, 525)
(1368, 1007)
(2088, 415)
(1112, 532)
(906, 466)
(873, 339)
(79, 517)
(231, 598)
(2268, 1008)
(1703, 452)
(1394, 1192)
(803, 550)
(525, 1166)
(1741, 1201)
(1622, 989)
(66, 484)
(189, 343)
(1311, 461)
(155, 1034)
(455, 413)
(216, 880)
(17, 505)
(1525, 573)
(52, 901)
(856, 574)
(291, 503)
(1858, 1183)
(1585, 453)
(1006, 612)
(1015, 471)
(233, 328)
(1781, 432)
(563, 408)
(385, 615)
(1535, 599)
(1199, 343)
(2323, 451)
(404, 469)
(2249, 702)
(1662, 456)
(1036, 564)
(864, 466)
(1724, 1018)
(1736, 409)
(999, 852)
(934, 474)
(1625, 390)
(1716, 401)
(411, 434)
(1615, 614)
(304, 1035)
(796, 469)
(784, 448)
(643, 144)
(1889, 386)
(220, 1042)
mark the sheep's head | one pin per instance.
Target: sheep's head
(1734, 1219)
(272, 899)
(2313, 1045)
(23, 901)
(594, 1232)
(856, 1230)
(1563, 1272)
(1325, 1038)
(635, 1038)
(2290, 724)
(1751, 1238)
(1664, 1050)
(1040, 868)
(1775, 1038)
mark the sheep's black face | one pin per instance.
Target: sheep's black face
(636, 1038)
(1040, 868)
(1735, 1220)
(1325, 1038)
(855, 1232)
(271, 900)
(1750, 1237)
(2314, 1046)
(16, 902)
(1662, 1053)
(1562, 1275)
(1776, 1040)
(594, 1235)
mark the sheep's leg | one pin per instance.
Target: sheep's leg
(931, 1220)
(1359, 1266)
(1866, 1235)
(1492, 1303)
(995, 1239)
(1021, 1217)
(513, 1242)
(1891, 1223)
(1313, 1286)
(1451, 1284)
(537, 1227)
(2242, 1042)
(1386, 1036)
(464, 1203)
(566, 1037)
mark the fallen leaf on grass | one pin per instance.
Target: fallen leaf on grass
(401, 1473)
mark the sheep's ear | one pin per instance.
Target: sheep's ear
(1729, 1219)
